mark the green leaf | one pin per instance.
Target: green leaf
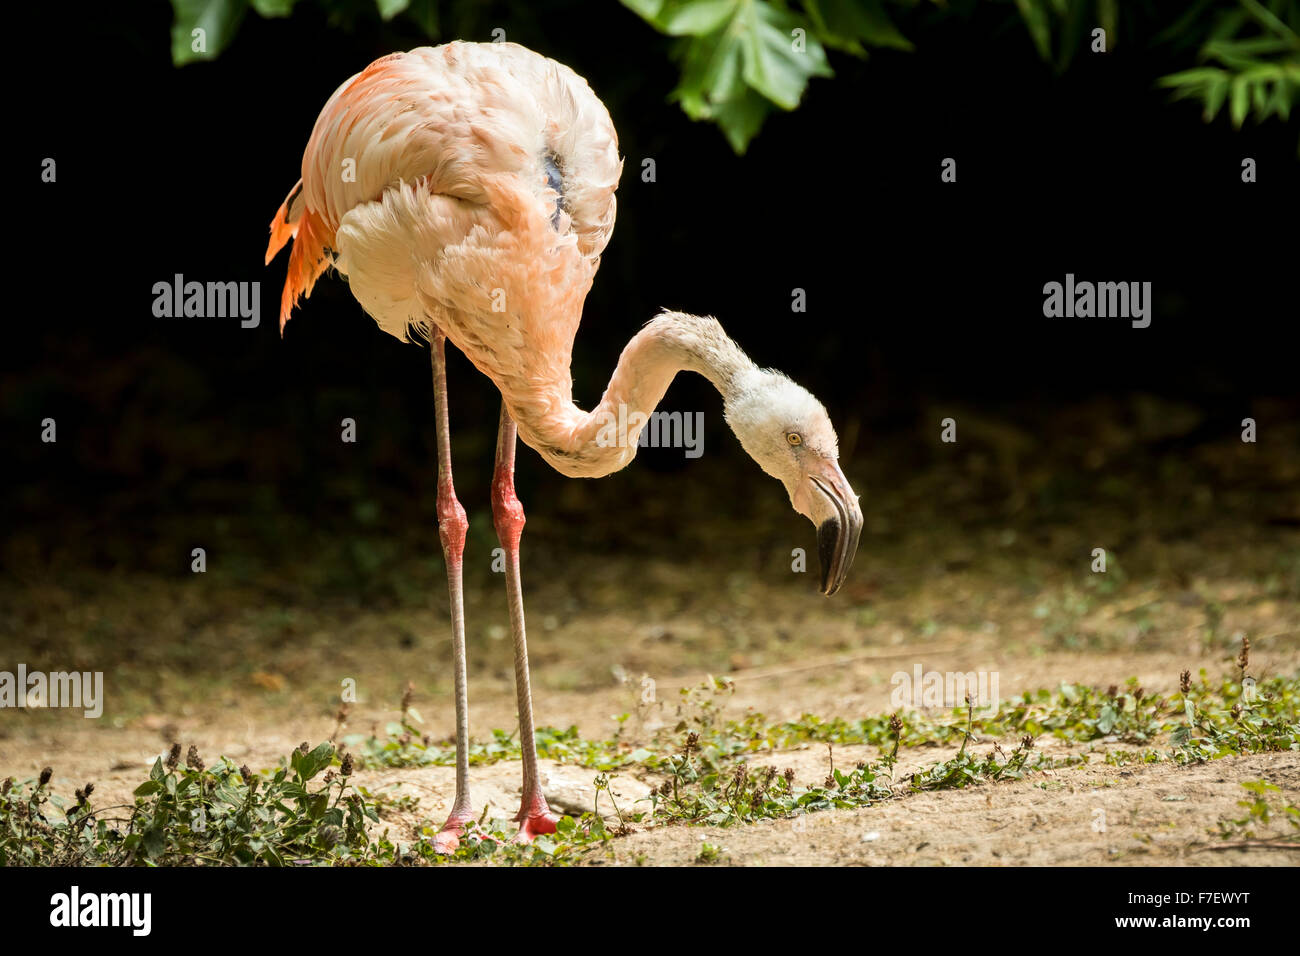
(313, 763)
(1108, 20)
(1261, 787)
(1215, 94)
(1282, 100)
(711, 78)
(1229, 25)
(155, 841)
(1034, 13)
(317, 806)
(1240, 100)
(1259, 98)
(1180, 32)
(1268, 19)
(1107, 719)
(1200, 75)
(648, 10)
(148, 787)
(741, 118)
(391, 8)
(772, 64)
(735, 74)
(697, 18)
(157, 772)
(853, 20)
(274, 8)
(1249, 47)
(207, 24)
(1071, 33)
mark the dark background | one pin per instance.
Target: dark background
(921, 295)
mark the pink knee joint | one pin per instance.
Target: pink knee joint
(507, 513)
(452, 523)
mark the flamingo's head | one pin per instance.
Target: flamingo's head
(787, 431)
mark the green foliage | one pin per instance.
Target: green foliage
(405, 746)
(742, 59)
(1058, 27)
(1265, 804)
(401, 748)
(493, 841)
(1257, 52)
(739, 59)
(965, 768)
(709, 853)
(193, 816)
(703, 789)
(202, 28)
(307, 812)
(1232, 723)
(1254, 46)
(220, 20)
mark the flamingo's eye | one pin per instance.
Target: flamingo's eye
(794, 438)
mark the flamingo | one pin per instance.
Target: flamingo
(466, 192)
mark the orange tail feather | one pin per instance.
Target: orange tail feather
(307, 257)
(282, 227)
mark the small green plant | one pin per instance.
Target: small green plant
(1263, 807)
(405, 745)
(709, 853)
(602, 786)
(493, 841)
(193, 815)
(1122, 758)
(1238, 721)
(706, 789)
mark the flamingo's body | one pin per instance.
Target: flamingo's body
(467, 192)
(449, 219)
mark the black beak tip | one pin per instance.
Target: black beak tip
(828, 546)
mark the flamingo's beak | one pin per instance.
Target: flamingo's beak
(825, 497)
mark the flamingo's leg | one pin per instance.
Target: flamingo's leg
(452, 526)
(534, 815)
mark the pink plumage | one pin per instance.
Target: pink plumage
(467, 193)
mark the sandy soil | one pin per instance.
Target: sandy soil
(1082, 815)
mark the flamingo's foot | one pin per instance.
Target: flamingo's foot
(535, 818)
(447, 839)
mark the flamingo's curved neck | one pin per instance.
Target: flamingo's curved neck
(597, 443)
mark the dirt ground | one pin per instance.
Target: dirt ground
(1080, 815)
(980, 563)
